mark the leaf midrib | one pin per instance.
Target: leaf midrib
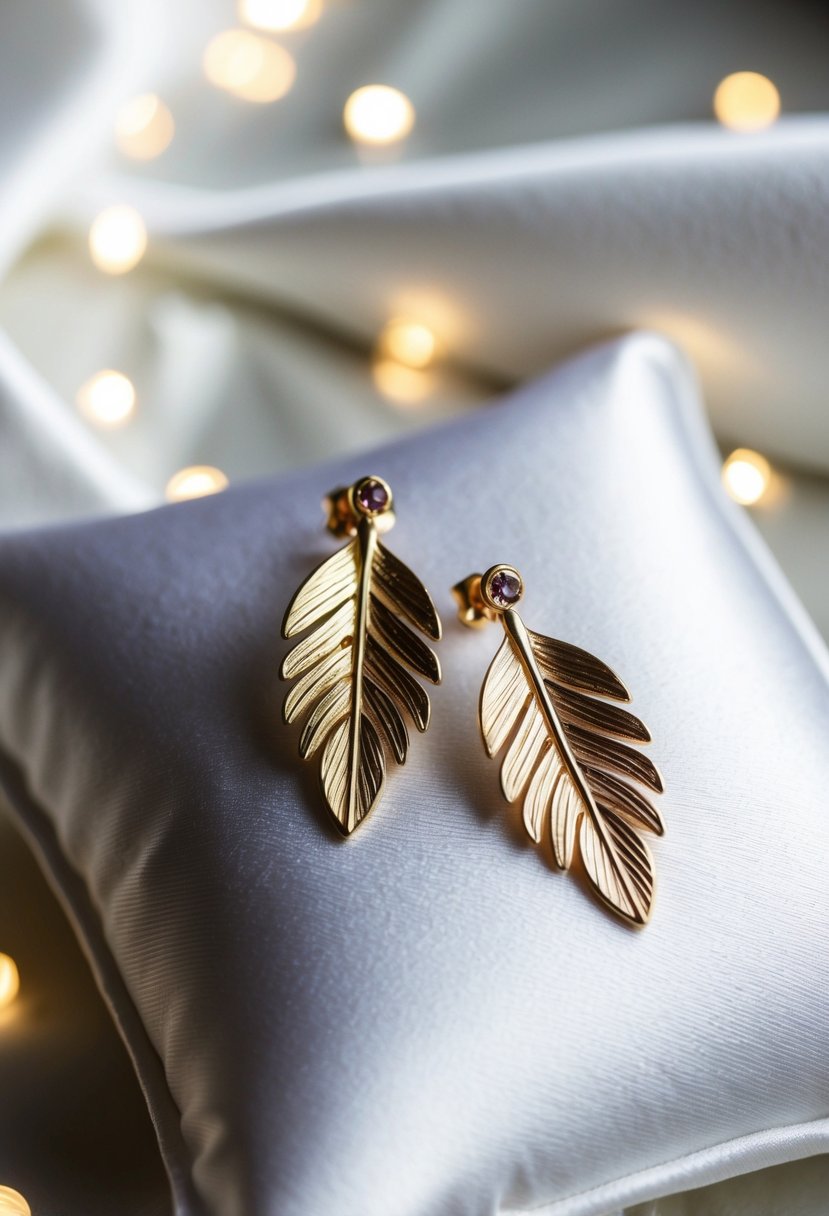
(366, 546)
(517, 633)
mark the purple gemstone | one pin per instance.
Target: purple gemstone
(372, 496)
(505, 588)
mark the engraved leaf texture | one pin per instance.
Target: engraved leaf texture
(355, 670)
(568, 756)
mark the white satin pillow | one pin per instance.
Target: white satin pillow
(425, 1019)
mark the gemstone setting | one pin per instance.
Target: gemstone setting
(372, 496)
(504, 588)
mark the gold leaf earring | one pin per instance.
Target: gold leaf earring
(353, 670)
(568, 751)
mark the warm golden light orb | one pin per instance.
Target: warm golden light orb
(278, 16)
(746, 101)
(409, 342)
(249, 66)
(195, 482)
(12, 1203)
(746, 476)
(107, 398)
(144, 127)
(378, 114)
(402, 385)
(9, 987)
(117, 239)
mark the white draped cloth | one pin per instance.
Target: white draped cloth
(276, 254)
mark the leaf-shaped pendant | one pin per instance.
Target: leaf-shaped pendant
(568, 753)
(353, 670)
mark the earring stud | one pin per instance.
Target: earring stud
(352, 671)
(568, 753)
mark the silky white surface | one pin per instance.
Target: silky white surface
(516, 258)
(441, 1024)
(534, 251)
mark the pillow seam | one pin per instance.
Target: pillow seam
(819, 1128)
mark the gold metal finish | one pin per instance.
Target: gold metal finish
(352, 672)
(344, 512)
(565, 750)
(472, 610)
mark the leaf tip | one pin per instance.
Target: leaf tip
(288, 629)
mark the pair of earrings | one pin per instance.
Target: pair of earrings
(549, 704)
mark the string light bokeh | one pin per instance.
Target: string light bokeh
(241, 71)
(280, 16)
(248, 62)
(249, 66)
(746, 101)
(107, 399)
(404, 350)
(9, 981)
(12, 1203)
(410, 342)
(195, 481)
(378, 114)
(747, 476)
(117, 239)
(144, 127)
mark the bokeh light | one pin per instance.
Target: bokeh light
(117, 239)
(746, 476)
(195, 482)
(12, 1203)
(107, 398)
(144, 127)
(409, 342)
(9, 981)
(746, 101)
(402, 385)
(378, 114)
(249, 66)
(276, 16)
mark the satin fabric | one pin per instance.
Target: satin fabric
(517, 257)
(426, 1019)
(716, 239)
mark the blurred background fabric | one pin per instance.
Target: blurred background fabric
(272, 288)
(563, 181)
